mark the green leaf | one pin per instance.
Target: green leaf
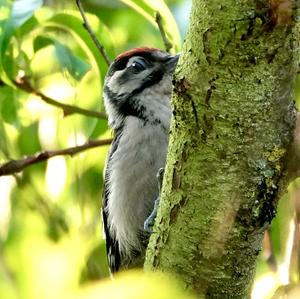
(41, 42)
(17, 15)
(149, 8)
(100, 128)
(22, 10)
(28, 141)
(74, 65)
(8, 105)
(5, 34)
(71, 22)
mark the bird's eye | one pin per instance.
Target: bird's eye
(138, 66)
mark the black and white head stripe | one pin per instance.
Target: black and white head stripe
(132, 73)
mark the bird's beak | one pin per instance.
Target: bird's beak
(171, 63)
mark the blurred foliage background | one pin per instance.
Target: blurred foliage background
(50, 223)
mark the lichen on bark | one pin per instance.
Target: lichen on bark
(233, 120)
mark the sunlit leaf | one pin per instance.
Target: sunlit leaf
(134, 285)
(74, 65)
(289, 291)
(67, 60)
(20, 12)
(6, 31)
(281, 226)
(72, 23)
(148, 9)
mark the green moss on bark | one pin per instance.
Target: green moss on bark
(232, 123)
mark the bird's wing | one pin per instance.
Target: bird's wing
(112, 246)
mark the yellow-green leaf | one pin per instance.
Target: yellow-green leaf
(149, 8)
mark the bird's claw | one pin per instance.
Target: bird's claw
(149, 222)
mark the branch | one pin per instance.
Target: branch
(87, 26)
(15, 166)
(167, 43)
(23, 84)
(222, 237)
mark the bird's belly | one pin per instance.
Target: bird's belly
(133, 184)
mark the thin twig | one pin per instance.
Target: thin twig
(15, 166)
(87, 26)
(167, 43)
(23, 84)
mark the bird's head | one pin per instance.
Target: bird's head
(135, 78)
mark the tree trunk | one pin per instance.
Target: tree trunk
(233, 122)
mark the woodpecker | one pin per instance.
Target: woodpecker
(137, 93)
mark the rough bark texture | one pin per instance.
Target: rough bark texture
(233, 121)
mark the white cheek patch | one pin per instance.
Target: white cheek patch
(112, 84)
(132, 83)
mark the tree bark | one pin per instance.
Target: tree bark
(233, 121)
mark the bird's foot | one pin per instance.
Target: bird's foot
(149, 222)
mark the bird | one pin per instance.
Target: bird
(137, 99)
